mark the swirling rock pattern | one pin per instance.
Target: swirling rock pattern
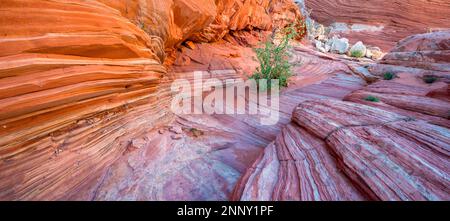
(84, 88)
(430, 51)
(237, 15)
(207, 165)
(81, 80)
(78, 81)
(394, 148)
(348, 151)
(397, 18)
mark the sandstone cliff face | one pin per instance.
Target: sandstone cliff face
(80, 80)
(237, 15)
(346, 151)
(391, 20)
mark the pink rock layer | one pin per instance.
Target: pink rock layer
(212, 153)
(81, 80)
(397, 18)
(338, 150)
(84, 95)
(396, 147)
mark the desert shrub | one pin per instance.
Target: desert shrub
(357, 54)
(372, 99)
(300, 28)
(388, 76)
(429, 79)
(273, 57)
(273, 63)
(196, 132)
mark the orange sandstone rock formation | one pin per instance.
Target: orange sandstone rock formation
(81, 80)
(78, 82)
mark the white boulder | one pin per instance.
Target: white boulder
(369, 53)
(322, 47)
(339, 45)
(358, 50)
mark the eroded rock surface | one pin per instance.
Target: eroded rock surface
(430, 51)
(353, 151)
(389, 140)
(380, 23)
(82, 81)
(85, 95)
(78, 81)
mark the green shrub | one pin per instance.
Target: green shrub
(273, 58)
(301, 29)
(357, 54)
(372, 99)
(196, 132)
(429, 79)
(389, 76)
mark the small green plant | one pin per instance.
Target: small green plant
(372, 99)
(389, 76)
(196, 132)
(429, 79)
(273, 60)
(357, 54)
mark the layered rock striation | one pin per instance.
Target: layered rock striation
(85, 96)
(78, 82)
(380, 23)
(81, 80)
(389, 140)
